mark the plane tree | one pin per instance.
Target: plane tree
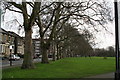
(72, 42)
(28, 22)
(89, 12)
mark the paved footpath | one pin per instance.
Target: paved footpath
(107, 75)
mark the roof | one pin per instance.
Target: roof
(13, 34)
(9, 33)
(3, 31)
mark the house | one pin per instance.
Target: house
(8, 39)
(18, 43)
(5, 41)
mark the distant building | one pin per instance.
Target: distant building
(8, 38)
(36, 47)
(18, 43)
(5, 42)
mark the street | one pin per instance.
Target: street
(6, 63)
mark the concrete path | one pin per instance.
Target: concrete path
(107, 75)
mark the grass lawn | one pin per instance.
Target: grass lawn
(65, 68)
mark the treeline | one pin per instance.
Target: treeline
(109, 52)
(70, 43)
(57, 22)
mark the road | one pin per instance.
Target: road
(6, 63)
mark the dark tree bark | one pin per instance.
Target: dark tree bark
(44, 55)
(16, 45)
(58, 55)
(54, 51)
(28, 55)
(44, 48)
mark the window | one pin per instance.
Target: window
(3, 49)
(0, 37)
(3, 37)
(12, 39)
(0, 48)
(37, 42)
(9, 39)
(37, 50)
(37, 47)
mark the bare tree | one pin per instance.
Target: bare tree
(54, 19)
(28, 22)
(73, 42)
(88, 12)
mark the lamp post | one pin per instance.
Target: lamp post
(10, 55)
(117, 73)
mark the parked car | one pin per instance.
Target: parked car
(40, 56)
(20, 55)
(14, 57)
(50, 56)
(2, 57)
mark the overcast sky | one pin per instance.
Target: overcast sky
(104, 38)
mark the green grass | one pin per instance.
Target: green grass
(65, 68)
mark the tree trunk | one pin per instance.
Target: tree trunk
(54, 51)
(54, 56)
(16, 45)
(64, 55)
(60, 55)
(58, 52)
(28, 55)
(44, 49)
(44, 56)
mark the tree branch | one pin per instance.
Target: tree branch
(19, 6)
(45, 7)
(31, 4)
(14, 10)
(51, 20)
